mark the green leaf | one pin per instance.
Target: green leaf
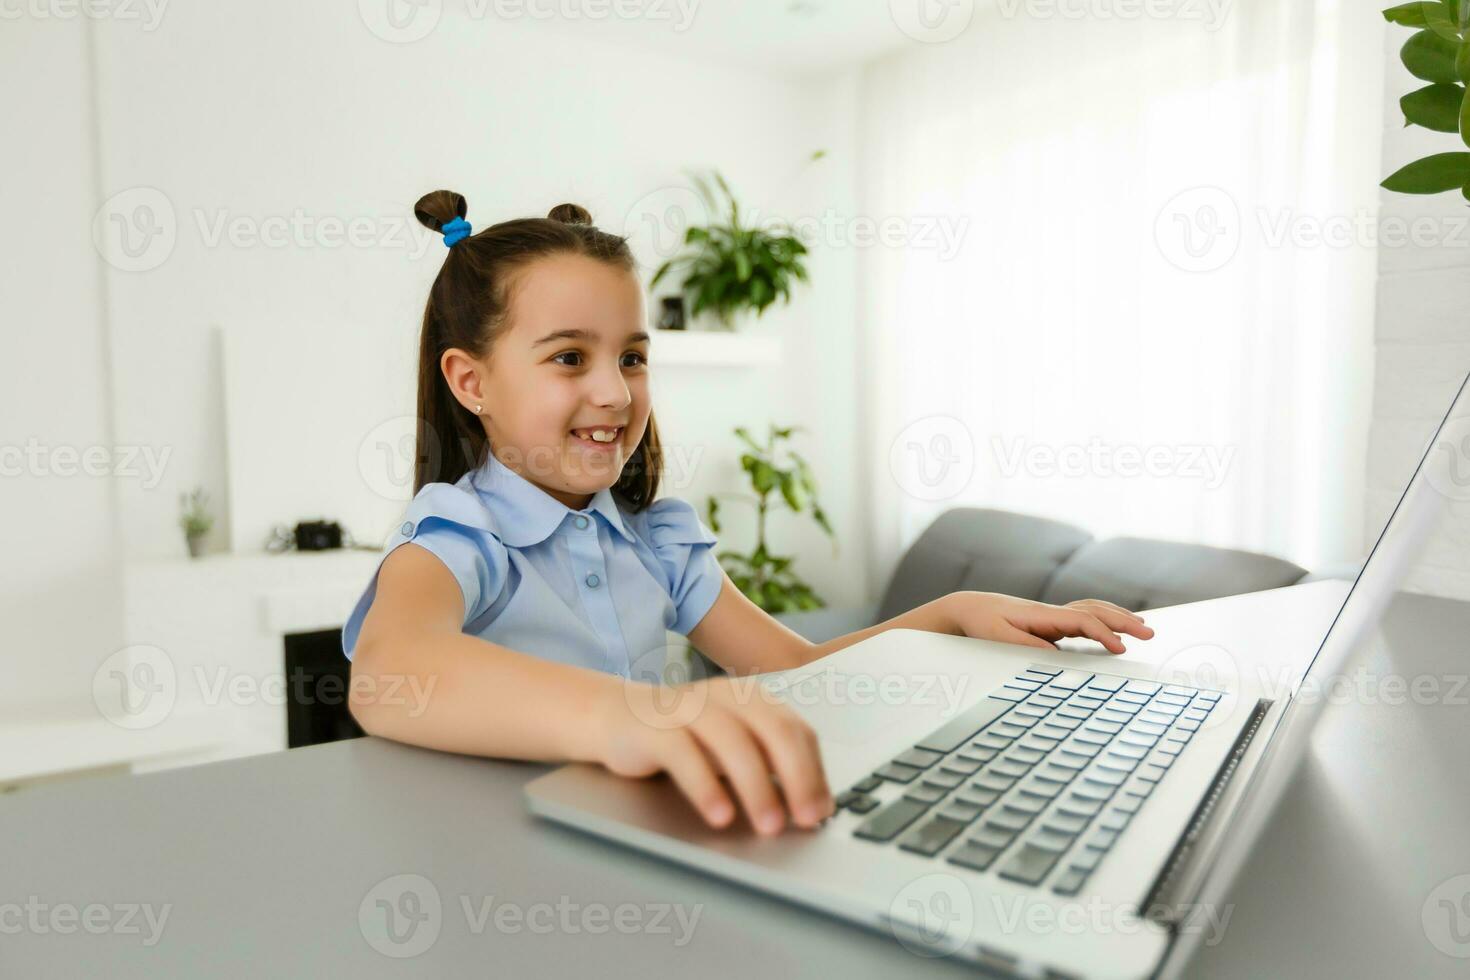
(1431, 57)
(1462, 62)
(1407, 15)
(1432, 175)
(742, 265)
(761, 293)
(701, 184)
(808, 481)
(820, 516)
(764, 477)
(1465, 192)
(734, 208)
(1435, 107)
(744, 434)
(1438, 15)
(1464, 121)
(712, 510)
(788, 490)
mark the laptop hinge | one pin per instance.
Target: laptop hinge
(1163, 904)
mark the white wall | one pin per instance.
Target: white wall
(1423, 330)
(59, 598)
(305, 110)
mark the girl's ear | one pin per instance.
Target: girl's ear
(462, 372)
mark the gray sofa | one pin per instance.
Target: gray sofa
(972, 548)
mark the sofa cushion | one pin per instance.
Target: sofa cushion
(981, 549)
(1141, 573)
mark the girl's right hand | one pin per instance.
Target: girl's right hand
(699, 731)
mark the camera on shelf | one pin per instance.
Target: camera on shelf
(318, 535)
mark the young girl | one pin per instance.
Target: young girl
(535, 573)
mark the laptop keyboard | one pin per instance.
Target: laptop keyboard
(1036, 782)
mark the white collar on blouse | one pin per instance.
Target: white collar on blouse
(527, 514)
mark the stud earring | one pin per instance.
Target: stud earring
(477, 409)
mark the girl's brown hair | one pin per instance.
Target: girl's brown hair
(469, 307)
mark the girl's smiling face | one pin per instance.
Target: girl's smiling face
(572, 356)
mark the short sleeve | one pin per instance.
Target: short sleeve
(453, 525)
(684, 548)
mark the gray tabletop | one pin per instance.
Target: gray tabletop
(335, 860)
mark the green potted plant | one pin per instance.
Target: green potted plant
(767, 578)
(1437, 53)
(195, 519)
(729, 267)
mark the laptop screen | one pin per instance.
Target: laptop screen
(1435, 500)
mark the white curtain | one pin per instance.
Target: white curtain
(1136, 330)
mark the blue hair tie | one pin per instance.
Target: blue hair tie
(455, 232)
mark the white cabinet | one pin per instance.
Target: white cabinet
(217, 627)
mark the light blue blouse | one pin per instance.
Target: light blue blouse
(593, 588)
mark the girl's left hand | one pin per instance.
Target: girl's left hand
(992, 616)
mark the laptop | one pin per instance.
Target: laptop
(996, 790)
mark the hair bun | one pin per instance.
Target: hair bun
(570, 214)
(437, 208)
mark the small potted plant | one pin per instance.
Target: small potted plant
(195, 519)
(729, 267)
(767, 578)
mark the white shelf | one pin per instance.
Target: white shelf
(710, 348)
